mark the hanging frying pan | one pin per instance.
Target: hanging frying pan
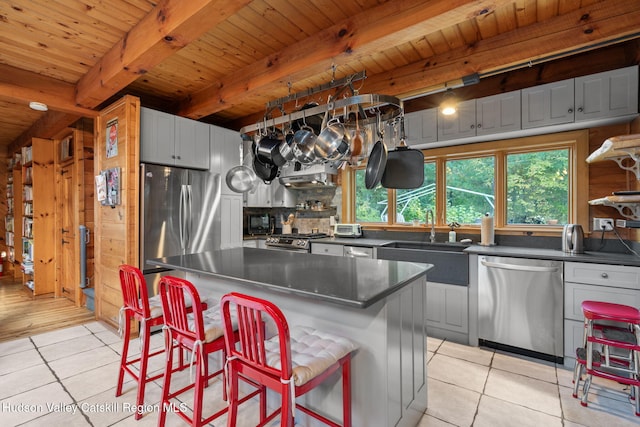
(405, 167)
(375, 165)
(241, 178)
(377, 161)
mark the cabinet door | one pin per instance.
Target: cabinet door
(157, 133)
(609, 94)
(420, 127)
(260, 197)
(548, 104)
(459, 125)
(281, 196)
(191, 144)
(498, 113)
(231, 221)
(447, 307)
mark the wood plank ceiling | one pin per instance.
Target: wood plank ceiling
(223, 60)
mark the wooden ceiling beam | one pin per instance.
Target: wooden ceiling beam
(21, 86)
(46, 127)
(169, 27)
(587, 28)
(359, 36)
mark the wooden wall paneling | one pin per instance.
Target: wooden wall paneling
(43, 216)
(116, 229)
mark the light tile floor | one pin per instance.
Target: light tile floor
(67, 378)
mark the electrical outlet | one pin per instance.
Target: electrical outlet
(602, 223)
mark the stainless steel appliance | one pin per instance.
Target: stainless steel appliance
(573, 239)
(347, 230)
(179, 214)
(520, 305)
(260, 224)
(292, 242)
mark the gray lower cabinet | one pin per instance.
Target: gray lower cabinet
(447, 311)
(327, 249)
(230, 221)
(596, 282)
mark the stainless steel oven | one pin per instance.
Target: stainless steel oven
(292, 242)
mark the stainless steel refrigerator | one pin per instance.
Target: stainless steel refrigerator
(180, 214)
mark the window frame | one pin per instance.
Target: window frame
(577, 142)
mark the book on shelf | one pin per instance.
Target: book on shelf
(26, 154)
(27, 193)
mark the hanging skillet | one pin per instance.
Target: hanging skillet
(377, 161)
(405, 167)
(241, 178)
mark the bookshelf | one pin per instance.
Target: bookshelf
(37, 217)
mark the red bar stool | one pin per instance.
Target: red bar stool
(618, 358)
(291, 363)
(138, 307)
(202, 334)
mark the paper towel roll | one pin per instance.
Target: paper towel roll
(486, 230)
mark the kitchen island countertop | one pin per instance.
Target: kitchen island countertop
(353, 282)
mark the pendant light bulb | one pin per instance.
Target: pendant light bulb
(449, 104)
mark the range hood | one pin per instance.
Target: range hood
(313, 176)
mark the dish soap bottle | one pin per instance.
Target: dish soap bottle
(452, 233)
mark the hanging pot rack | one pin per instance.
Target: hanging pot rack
(388, 106)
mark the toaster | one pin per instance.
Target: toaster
(347, 230)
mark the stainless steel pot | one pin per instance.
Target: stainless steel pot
(329, 139)
(268, 151)
(304, 141)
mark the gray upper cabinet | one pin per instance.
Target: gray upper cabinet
(170, 140)
(459, 125)
(608, 94)
(549, 104)
(498, 113)
(420, 127)
(225, 153)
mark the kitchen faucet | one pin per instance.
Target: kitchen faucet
(432, 236)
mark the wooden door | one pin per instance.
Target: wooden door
(68, 243)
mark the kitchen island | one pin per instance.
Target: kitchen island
(378, 304)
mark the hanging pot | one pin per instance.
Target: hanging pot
(304, 141)
(329, 139)
(267, 172)
(268, 150)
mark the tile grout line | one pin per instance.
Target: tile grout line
(59, 381)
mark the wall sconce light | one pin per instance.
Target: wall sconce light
(449, 104)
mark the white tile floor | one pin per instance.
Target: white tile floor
(67, 378)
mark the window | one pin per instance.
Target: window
(470, 189)
(527, 183)
(538, 187)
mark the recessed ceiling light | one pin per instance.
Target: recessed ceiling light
(38, 106)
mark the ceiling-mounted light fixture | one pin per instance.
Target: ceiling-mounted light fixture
(449, 104)
(38, 106)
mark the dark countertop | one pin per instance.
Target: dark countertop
(353, 282)
(613, 258)
(354, 241)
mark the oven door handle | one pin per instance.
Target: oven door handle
(517, 267)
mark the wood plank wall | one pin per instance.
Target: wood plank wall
(116, 229)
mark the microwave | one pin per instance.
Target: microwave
(347, 230)
(259, 224)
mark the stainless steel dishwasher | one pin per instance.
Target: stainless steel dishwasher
(520, 305)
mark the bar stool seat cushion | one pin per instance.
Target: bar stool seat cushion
(212, 318)
(312, 352)
(598, 310)
(155, 305)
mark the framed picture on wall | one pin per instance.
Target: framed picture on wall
(66, 148)
(108, 187)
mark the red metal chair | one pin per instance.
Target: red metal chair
(291, 363)
(138, 307)
(202, 334)
(615, 330)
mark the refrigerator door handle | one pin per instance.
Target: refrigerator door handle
(182, 217)
(189, 221)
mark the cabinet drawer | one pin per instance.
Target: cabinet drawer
(575, 293)
(605, 275)
(326, 249)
